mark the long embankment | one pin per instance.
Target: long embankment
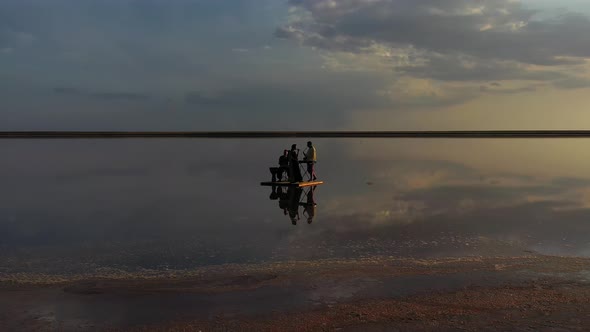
(290, 134)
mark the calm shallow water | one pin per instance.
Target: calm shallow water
(73, 206)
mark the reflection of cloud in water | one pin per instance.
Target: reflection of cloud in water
(181, 203)
(423, 198)
(410, 190)
(524, 157)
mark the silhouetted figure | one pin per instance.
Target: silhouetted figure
(283, 200)
(310, 158)
(294, 171)
(310, 206)
(290, 200)
(283, 165)
(294, 194)
(274, 195)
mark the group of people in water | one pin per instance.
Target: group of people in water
(290, 197)
(289, 163)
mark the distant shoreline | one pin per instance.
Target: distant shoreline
(295, 134)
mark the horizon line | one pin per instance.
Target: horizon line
(299, 134)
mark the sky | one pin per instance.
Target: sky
(294, 64)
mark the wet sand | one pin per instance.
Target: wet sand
(528, 293)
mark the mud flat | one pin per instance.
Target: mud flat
(527, 293)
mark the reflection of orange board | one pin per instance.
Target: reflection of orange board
(294, 184)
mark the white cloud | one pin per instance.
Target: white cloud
(454, 39)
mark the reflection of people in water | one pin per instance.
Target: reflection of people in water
(283, 200)
(290, 201)
(310, 205)
(274, 195)
(294, 194)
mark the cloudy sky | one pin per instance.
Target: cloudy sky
(294, 64)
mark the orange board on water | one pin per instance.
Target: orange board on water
(294, 184)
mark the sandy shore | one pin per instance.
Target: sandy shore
(529, 293)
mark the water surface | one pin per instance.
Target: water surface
(86, 206)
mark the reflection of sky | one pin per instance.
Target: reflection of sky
(88, 204)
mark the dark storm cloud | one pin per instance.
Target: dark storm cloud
(490, 29)
(341, 43)
(496, 36)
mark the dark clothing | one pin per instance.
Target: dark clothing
(280, 172)
(294, 170)
(283, 199)
(284, 167)
(294, 198)
(284, 160)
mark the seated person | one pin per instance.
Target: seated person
(283, 165)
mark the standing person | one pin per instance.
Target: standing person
(294, 171)
(283, 165)
(311, 159)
